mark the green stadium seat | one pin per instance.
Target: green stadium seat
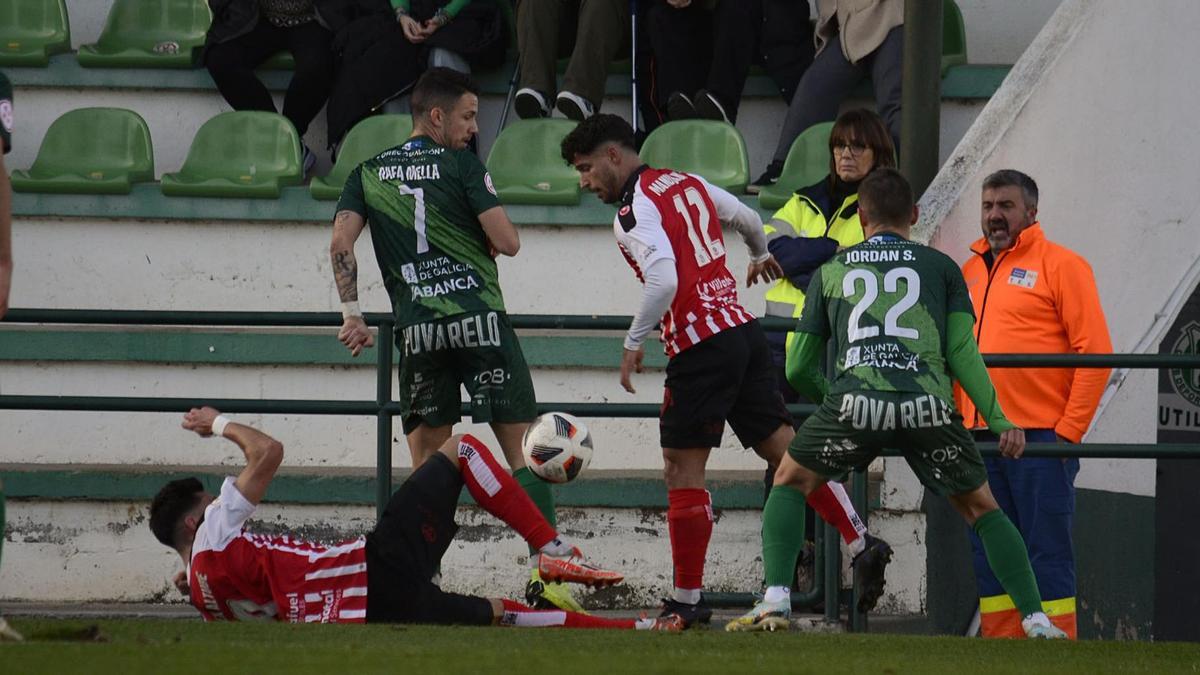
(244, 153)
(367, 139)
(91, 151)
(954, 36)
(807, 162)
(526, 164)
(150, 34)
(714, 150)
(32, 30)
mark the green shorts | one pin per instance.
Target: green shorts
(478, 351)
(849, 430)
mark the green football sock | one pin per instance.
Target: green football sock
(782, 534)
(539, 491)
(1009, 560)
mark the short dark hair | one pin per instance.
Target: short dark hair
(440, 88)
(868, 128)
(595, 131)
(1007, 177)
(171, 503)
(886, 197)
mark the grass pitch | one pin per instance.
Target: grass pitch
(126, 647)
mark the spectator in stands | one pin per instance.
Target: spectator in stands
(679, 73)
(593, 33)
(409, 36)
(854, 40)
(1033, 296)
(817, 222)
(245, 33)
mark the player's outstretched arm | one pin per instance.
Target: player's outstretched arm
(263, 453)
(347, 226)
(966, 364)
(803, 366)
(500, 231)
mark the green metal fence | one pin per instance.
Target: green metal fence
(828, 556)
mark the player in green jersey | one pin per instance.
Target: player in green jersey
(899, 317)
(436, 226)
(6, 263)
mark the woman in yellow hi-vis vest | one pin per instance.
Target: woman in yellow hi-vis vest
(813, 225)
(821, 219)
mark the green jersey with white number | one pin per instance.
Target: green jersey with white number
(422, 202)
(884, 305)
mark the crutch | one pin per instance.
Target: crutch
(633, 12)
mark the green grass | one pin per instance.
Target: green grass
(163, 646)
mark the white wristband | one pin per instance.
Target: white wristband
(350, 309)
(219, 424)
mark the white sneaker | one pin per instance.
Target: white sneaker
(574, 106)
(8, 633)
(308, 159)
(1038, 627)
(768, 616)
(530, 104)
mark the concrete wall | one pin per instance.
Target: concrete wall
(1105, 132)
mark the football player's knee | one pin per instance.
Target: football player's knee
(452, 448)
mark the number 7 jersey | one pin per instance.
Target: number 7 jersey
(884, 305)
(676, 216)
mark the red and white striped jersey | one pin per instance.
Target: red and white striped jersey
(236, 575)
(674, 215)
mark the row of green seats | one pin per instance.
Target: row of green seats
(136, 34)
(256, 154)
(235, 154)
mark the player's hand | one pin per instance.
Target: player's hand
(766, 271)
(1012, 443)
(200, 420)
(355, 335)
(412, 29)
(181, 582)
(631, 362)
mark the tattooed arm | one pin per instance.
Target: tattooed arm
(347, 226)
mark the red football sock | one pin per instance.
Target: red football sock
(516, 614)
(690, 524)
(832, 503)
(499, 493)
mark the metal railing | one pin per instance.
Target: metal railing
(827, 582)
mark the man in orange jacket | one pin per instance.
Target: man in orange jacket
(1033, 296)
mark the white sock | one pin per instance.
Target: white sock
(558, 548)
(688, 596)
(777, 594)
(857, 546)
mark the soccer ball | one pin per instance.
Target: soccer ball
(557, 446)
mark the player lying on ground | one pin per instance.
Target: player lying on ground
(386, 576)
(668, 227)
(900, 319)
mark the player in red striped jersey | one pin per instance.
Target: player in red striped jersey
(668, 227)
(232, 574)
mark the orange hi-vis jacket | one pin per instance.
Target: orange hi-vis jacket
(1038, 297)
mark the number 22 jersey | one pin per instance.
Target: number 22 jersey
(665, 214)
(884, 303)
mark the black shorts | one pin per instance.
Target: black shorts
(728, 377)
(406, 548)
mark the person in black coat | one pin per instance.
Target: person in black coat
(245, 33)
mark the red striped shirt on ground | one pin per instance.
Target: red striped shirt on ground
(236, 575)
